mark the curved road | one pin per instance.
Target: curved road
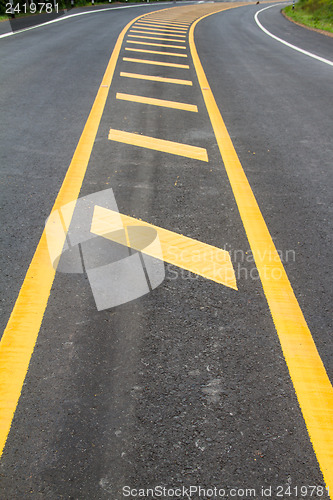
(188, 384)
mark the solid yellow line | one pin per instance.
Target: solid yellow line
(19, 338)
(148, 26)
(157, 44)
(161, 79)
(157, 102)
(312, 385)
(156, 63)
(199, 258)
(156, 52)
(157, 38)
(157, 32)
(162, 145)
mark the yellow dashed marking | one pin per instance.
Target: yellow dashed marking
(157, 102)
(161, 25)
(157, 38)
(156, 32)
(176, 54)
(168, 21)
(199, 258)
(163, 30)
(161, 79)
(164, 21)
(158, 44)
(162, 145)
(156, 63)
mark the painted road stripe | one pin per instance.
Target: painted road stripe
(294, 47)
(157, 33)
(161, 79)
(157, 38)
(146, 51)
(158, 44)
(168, 21)
(199, 258)
(312, 385)
(161, 25)
(162, 145)
(164, 20)
(157, 102)
(169, 25)
(153, 28)
(19, 338)
(150, 19)
(156, 63)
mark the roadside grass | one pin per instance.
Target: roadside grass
(313, 13)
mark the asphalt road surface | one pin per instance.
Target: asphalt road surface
(197, 382)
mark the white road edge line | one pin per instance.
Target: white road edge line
(326, 61)
(64, 18)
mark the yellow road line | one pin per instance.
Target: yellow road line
(157, 102)
(312, 385)
(19, 338)
(156, 63)
(169, 21)
(199, 258)
(158, 44)
(160, 20)
(157, 32)
(162, 145)
(157, 38)
(164, 21)
(161, 79)
(166, 30)
(146, 51)
(161, 25)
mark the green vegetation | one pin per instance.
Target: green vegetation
(313, 13)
